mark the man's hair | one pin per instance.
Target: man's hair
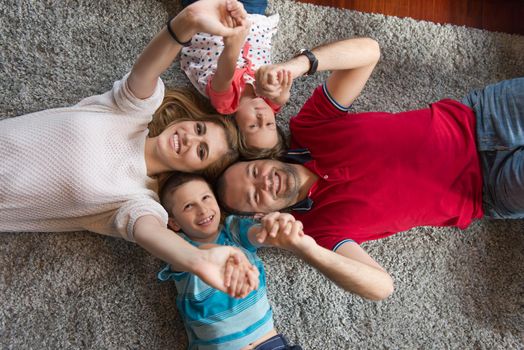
(172, 183)
(220, 190)
(252, 153)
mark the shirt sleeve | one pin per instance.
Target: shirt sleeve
(166, 274)
(238, 229)
(121, 98)
(226, 102)
(321, 106)
(131, 210)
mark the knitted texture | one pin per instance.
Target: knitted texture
(79, 167)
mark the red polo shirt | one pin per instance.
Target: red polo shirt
(381, 173)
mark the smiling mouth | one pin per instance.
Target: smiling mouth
(176, 143)
(206, 221)
(277, 183)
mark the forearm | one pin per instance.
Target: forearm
(341, 55)
(226, 65)
(349, 274)
(159, 55)
(166, 244)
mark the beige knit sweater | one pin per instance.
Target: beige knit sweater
(80, 167)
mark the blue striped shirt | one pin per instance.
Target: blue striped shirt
(213, 319)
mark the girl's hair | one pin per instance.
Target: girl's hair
(275, 152)
(183, 105)
(174, 181)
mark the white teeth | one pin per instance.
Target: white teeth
(277, 185)
(176, 143)
(206, 220)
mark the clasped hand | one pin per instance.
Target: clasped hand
(282, 230)
(274, 82)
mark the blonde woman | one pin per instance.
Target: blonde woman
(92, 166)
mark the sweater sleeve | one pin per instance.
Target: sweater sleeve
(121, 99)
(131, 210)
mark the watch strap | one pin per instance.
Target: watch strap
(313, 62)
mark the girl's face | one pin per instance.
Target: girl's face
(190, 146)
(256, 121)
(195, 211)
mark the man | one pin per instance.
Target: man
(359, 177)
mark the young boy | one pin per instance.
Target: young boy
(214, 320)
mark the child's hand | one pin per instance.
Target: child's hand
(267, 81)
(227, 269)
(242, 278)
(282, 230)
(285, 79)
(218, 17)
(274, 83)
(238, 38)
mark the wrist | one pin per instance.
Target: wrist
(298, 66)
(197, 265)
(305, 247)
(183, 26)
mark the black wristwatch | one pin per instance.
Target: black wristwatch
(313, 62)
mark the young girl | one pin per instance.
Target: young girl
(212, 319)
(223, 69)
(90, 166)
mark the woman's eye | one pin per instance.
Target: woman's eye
(206, 197)
(199, 129)
(201, 152)
(255, 172)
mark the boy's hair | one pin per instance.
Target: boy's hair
(172, 183)
(183, 105)
(252, 153)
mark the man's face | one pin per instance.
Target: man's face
(261, 186)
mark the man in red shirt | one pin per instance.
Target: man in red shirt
(365, 176)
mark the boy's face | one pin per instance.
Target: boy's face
(195, 211)
(256, 121)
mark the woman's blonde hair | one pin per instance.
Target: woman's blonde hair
(183, 105)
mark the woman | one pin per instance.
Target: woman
(90, 166)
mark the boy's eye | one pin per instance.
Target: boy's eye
(188, 206)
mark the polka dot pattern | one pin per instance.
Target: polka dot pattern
(199, 61)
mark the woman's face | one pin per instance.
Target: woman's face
(191, 145)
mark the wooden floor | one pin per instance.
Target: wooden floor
(494, 15)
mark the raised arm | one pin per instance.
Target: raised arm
(210, 16)
(227, 62)
(351, 268)
(351, 62)
(210, 264)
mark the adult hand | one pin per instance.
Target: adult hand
(218, 17)
(227, 269)
(286, 80)
(282, 230)
(267, 81)
(238, 38)
(235, 270)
